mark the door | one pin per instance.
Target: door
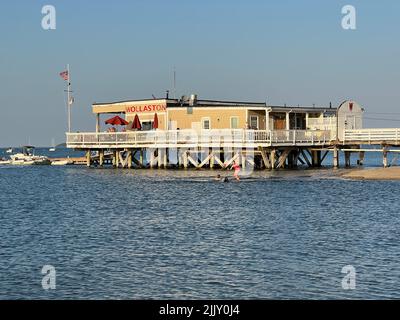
(280, 124)
(350, 122)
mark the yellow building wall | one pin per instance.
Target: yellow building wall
(220, 118)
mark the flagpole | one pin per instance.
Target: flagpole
(69, 98)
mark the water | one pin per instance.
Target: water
(131, 234)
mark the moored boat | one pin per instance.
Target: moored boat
(27, 157)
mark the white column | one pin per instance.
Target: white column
(287, 121)
(307, 120)
(97, 122)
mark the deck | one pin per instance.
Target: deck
(389, 136)
(237, 138)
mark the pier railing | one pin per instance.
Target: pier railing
(372, 136)
(198, 138)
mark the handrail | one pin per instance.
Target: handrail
(372, 135)
(186, 136)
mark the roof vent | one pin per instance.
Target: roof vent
(193, 100)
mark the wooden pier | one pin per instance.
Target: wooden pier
(258, 149)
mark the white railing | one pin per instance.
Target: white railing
(325, 123)
(193, 137)
(391, 135)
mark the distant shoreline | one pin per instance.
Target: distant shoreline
(392, 173)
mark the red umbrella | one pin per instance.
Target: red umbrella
(117, 121)
(136, 123)
(155, 121)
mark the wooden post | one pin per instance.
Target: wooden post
(347, 158)
(179, 155)
(212, 160)
(316, 158)
(114, 159)
(272, 157)
(117, 159)
(361, 157)
(160, 154)
(151, 158)
(296, 158)
(290, 160)
(165, 158)
(265, 160)
(335, 157)
(101, 157)
(185, 159)
(88, 160)
(305, 157)
(385, 157)
(129, 159)
(141, 158)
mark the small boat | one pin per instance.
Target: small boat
(53, 148)
(9, 150)
(27, 157)
(60, 163)
(4, 161)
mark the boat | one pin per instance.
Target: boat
(61, 162)
(9, 150)
(53, 148)
(27, 157)
(4, 161)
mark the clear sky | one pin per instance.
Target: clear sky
(292, 52)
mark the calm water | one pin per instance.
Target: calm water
(129, 234)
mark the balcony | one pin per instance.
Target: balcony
(188, 138)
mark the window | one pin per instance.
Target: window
(147, 125)
(234, 122)
(206, 123)
(254, 122)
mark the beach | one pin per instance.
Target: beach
(392, 173)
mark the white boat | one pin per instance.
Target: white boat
(9, 150)
(27, 157)
(53, 148)
(60, 162)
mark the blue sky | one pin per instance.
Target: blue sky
(292, 52)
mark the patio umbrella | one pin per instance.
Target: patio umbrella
(155, 121)
(117, 121)
(136, 123)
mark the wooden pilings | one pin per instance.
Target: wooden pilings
(335, 157)
(215, 158)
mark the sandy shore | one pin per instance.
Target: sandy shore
(392, 173)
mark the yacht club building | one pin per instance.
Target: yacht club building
(209, 114)
(205, 133)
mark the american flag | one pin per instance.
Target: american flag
(64, 75)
